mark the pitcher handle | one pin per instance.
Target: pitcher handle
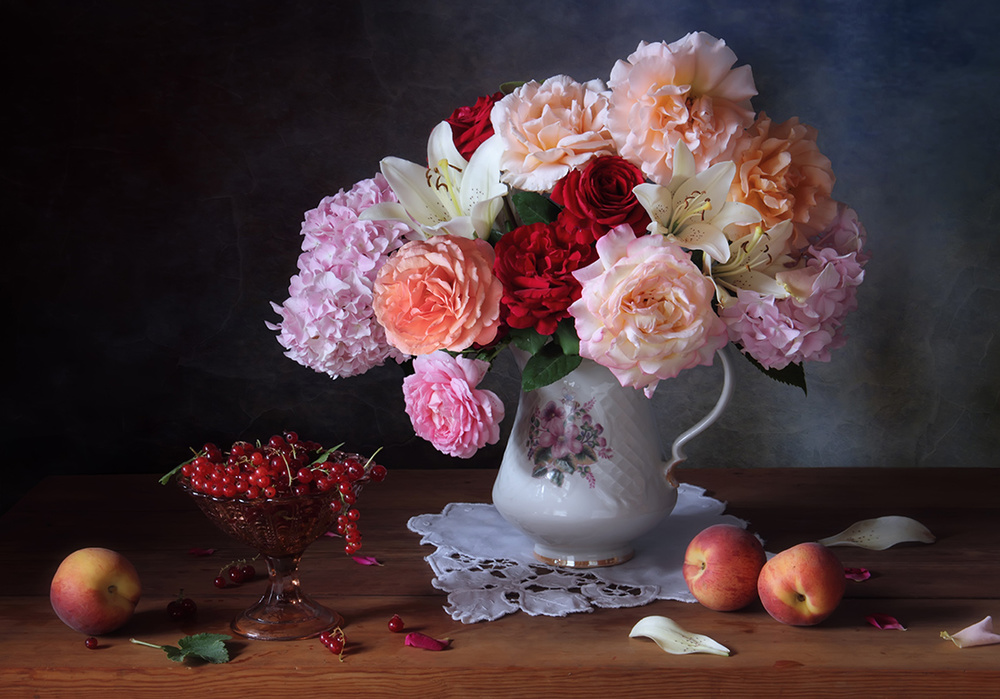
(705, 422)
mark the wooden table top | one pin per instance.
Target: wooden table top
(946, 585)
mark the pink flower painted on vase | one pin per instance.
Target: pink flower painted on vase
(564, 439)
(684, 91)
(561, 438)
(447, 409)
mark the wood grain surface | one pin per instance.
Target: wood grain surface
(946, 585)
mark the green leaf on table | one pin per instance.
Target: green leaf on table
(210, 647)
(533, 207)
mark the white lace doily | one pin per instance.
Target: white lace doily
(488, 569)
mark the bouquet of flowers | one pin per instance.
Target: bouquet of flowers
(642, 223)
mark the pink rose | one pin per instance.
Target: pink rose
(439, 294)
(687, 90)
(645, 310)
(447, 409)
(550, 129)
(782, 174)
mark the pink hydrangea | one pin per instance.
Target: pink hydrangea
(845, 234)
(446, 407)
(685, 91)
(805, 326)
(327, 323)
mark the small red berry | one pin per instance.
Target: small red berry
(396, 623)
(91, 643)
(220, 582)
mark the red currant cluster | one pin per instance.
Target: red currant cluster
(286, 466)
(235, 574)
(335, 641)
(182, 607)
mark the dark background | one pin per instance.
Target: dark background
(159, 157)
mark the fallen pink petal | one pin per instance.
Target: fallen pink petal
(884, 622)
(979, 634)
(420, 640)
(857, 574)
(334, 535)
(201, 552)
(366, 560)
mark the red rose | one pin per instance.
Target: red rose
(602, 192)
(470, 126)
(535, 264)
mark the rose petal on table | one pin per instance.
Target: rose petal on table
(334, 535)
(857, 574)
(201, 552)
(420, 640)
(366, 560)
(880, 533)
(884, 622)
(979, 634)
(669, 636)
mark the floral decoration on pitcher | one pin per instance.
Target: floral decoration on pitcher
(564, 439)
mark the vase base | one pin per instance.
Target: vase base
(571, 561)
(286, 622)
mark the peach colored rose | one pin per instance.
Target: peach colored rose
(646, 310)
(549, 129)
(439, 294)
(687, 90)
(782, 174)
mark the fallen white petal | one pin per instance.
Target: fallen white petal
(979, 634)
(673, 639)
(881, 533)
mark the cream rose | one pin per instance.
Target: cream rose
(646, 310)
(549, 129)
(687, 90)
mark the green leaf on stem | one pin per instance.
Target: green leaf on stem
(533, 207)
(791, 375)
(548, 365)
(528, 339)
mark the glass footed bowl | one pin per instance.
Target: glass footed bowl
(280, 529)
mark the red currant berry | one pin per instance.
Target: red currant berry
(220, 582)
(396, 623)
(91, 643)
(235, 574)
(248, 572)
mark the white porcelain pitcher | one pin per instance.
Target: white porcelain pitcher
(583, 474)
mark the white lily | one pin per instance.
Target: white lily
(451, 196)
(754, 260)
(692, 208)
